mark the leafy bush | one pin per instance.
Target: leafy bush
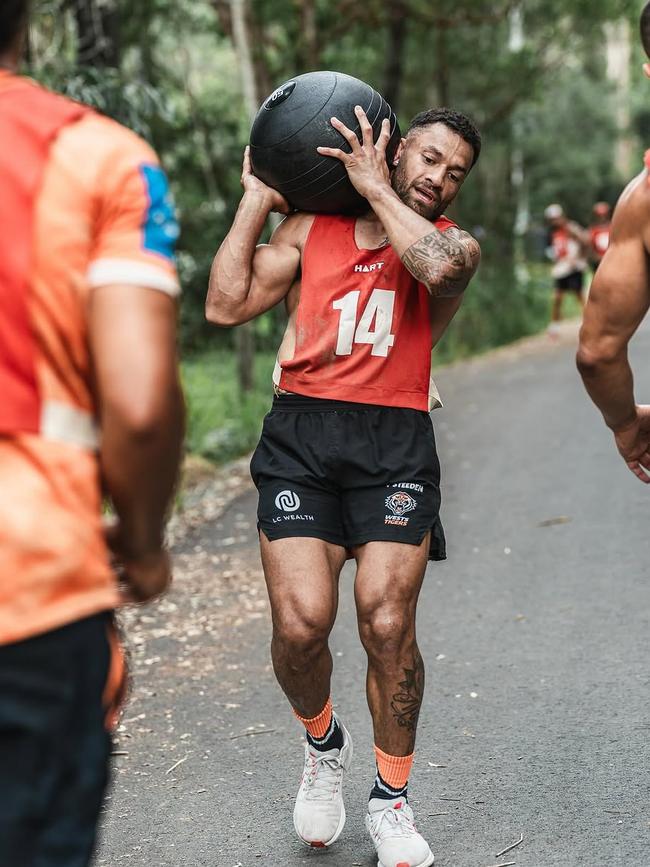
(221, 422)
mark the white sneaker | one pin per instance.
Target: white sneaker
(396, 839)
(319, 814)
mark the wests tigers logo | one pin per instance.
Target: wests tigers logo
(400, 503)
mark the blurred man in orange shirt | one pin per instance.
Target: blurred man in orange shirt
(599, 230)
(567, 251)
(89, 397)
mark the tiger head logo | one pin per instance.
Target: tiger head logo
(400, 503)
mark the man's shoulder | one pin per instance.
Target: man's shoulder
(102, 142)
(294, 229)
(632, 212)
(105, 166)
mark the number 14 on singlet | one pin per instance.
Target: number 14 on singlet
(378, 312)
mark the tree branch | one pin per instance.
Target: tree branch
(466, 18)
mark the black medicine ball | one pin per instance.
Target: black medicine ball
(295, 120)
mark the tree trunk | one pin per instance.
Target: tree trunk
(241, 36)
(245, 348)
(97, 33)
(239, 13)
(618, 49)
(516, 42)
(201, 130)
(394, 70)
(308, 46)
(442, 70)
(253, 36)
(222, 8)
(258, 39)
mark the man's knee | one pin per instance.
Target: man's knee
(301, 635)
(386, 630)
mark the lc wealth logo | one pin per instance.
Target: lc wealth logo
(289, 503)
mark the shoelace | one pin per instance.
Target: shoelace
(397, 823)
(321, 785)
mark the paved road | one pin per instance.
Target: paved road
(535, 635)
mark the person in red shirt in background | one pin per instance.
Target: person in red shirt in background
(90, 402)
(599, 233)
(346, 465)
(566, 249)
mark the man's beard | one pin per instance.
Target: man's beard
(405, 192)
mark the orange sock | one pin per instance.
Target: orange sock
(318, 726)
(394, 770)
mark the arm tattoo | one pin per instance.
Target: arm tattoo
(444, 261)
(406, 702)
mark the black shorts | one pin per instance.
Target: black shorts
(54, 746)
(571, 283)
(348, 473)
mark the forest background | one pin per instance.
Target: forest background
(555, 87)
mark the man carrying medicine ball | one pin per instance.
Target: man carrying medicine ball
(346, 466)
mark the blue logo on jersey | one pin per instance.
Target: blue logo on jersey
(160, 226)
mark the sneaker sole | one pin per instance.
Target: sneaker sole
(426, 863)
(317, 844)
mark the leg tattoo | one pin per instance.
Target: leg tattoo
(405, 704)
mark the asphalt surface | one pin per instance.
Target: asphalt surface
(536, 720)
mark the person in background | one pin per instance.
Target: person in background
(566, 249)
(599, 233)
(91, 403)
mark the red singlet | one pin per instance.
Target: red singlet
(599, 237)
(363, 332)
(560, 242)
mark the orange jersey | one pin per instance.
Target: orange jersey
(599, 238)
(30, 119)
(561, 240)
(102, 216)
(363, 331)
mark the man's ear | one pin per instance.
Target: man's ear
(646, 69)
(400, 149)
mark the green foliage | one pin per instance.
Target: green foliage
(136, 104)
(499, 307)
(221, 423)
(536, 85)
(580, 169)
(178, 84)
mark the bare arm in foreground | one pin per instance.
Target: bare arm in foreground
(618, 302)
(132, 334)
